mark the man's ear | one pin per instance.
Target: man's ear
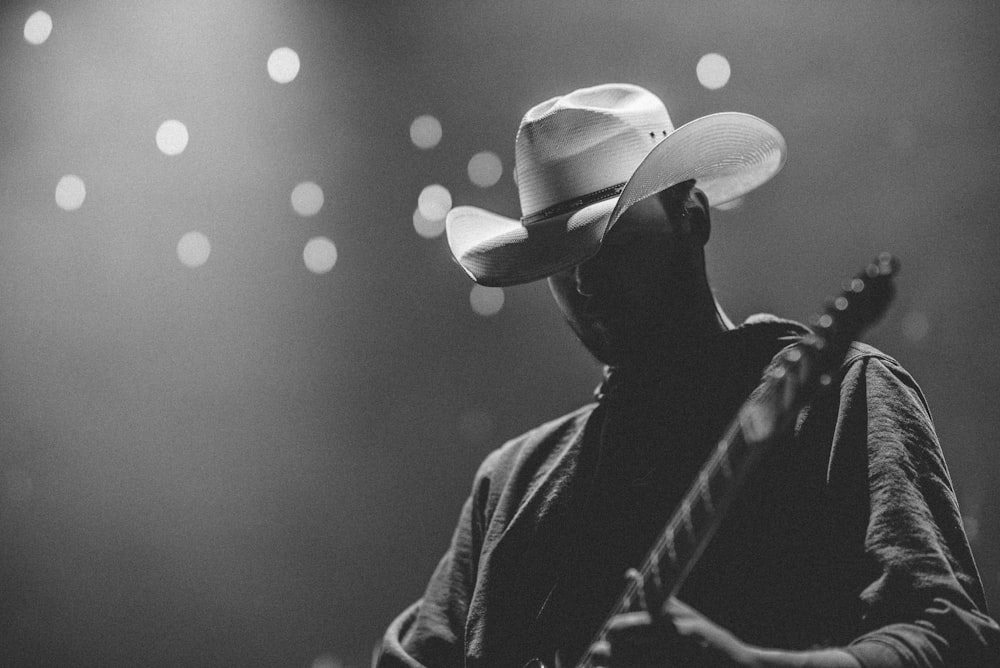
(701, 217)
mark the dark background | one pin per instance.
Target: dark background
(250, 464)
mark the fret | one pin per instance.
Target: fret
(705, 491)
(671, 550)
(686, 519)
(698, 513)
(663, 561)
(684, 538)
(723, 461)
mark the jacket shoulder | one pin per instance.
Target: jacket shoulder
(858, 352)
(542, 442)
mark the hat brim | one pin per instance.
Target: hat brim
(727, 154)
(498, 251)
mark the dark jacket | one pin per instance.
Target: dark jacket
(848, 533)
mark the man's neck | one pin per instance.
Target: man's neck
(678, 346)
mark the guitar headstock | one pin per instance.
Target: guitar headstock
(861, 303)
(864, 299)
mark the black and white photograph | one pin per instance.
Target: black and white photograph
(402, 334)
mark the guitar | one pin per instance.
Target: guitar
(767, 415)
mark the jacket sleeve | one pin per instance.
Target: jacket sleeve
(431, 632)
(922, 603)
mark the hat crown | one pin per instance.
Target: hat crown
(590, 140)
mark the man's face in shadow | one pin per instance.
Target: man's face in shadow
(641, 285)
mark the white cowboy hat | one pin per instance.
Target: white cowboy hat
(583, 159)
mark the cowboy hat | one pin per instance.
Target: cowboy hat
(582, 159)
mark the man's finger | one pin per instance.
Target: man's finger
(632, 642)
(628, 620)
(600, 654)
(650, 593)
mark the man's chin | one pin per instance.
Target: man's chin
(605, 345)
(614, 348)
(607, 340)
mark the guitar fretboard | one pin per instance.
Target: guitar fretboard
(766, 415)
(704, 505)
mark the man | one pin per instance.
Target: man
(846, 547)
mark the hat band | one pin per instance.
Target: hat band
(574, 204)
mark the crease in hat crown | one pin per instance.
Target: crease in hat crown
(575, 149)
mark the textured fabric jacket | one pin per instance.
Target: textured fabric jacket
(848, 534)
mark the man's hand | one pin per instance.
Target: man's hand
(680, 636)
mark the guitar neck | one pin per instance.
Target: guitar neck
(697, 517)
(704, 505)
(759, 423)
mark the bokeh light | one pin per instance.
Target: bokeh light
(172, 137)
(434, 202)
(193, 249)
(485, 169)
(70, 192)
(283, 65)
(319, 255)
(486, 301)
(713, 71)
(307, 198)
(38, 27)
(425, 132)
(426, 228)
